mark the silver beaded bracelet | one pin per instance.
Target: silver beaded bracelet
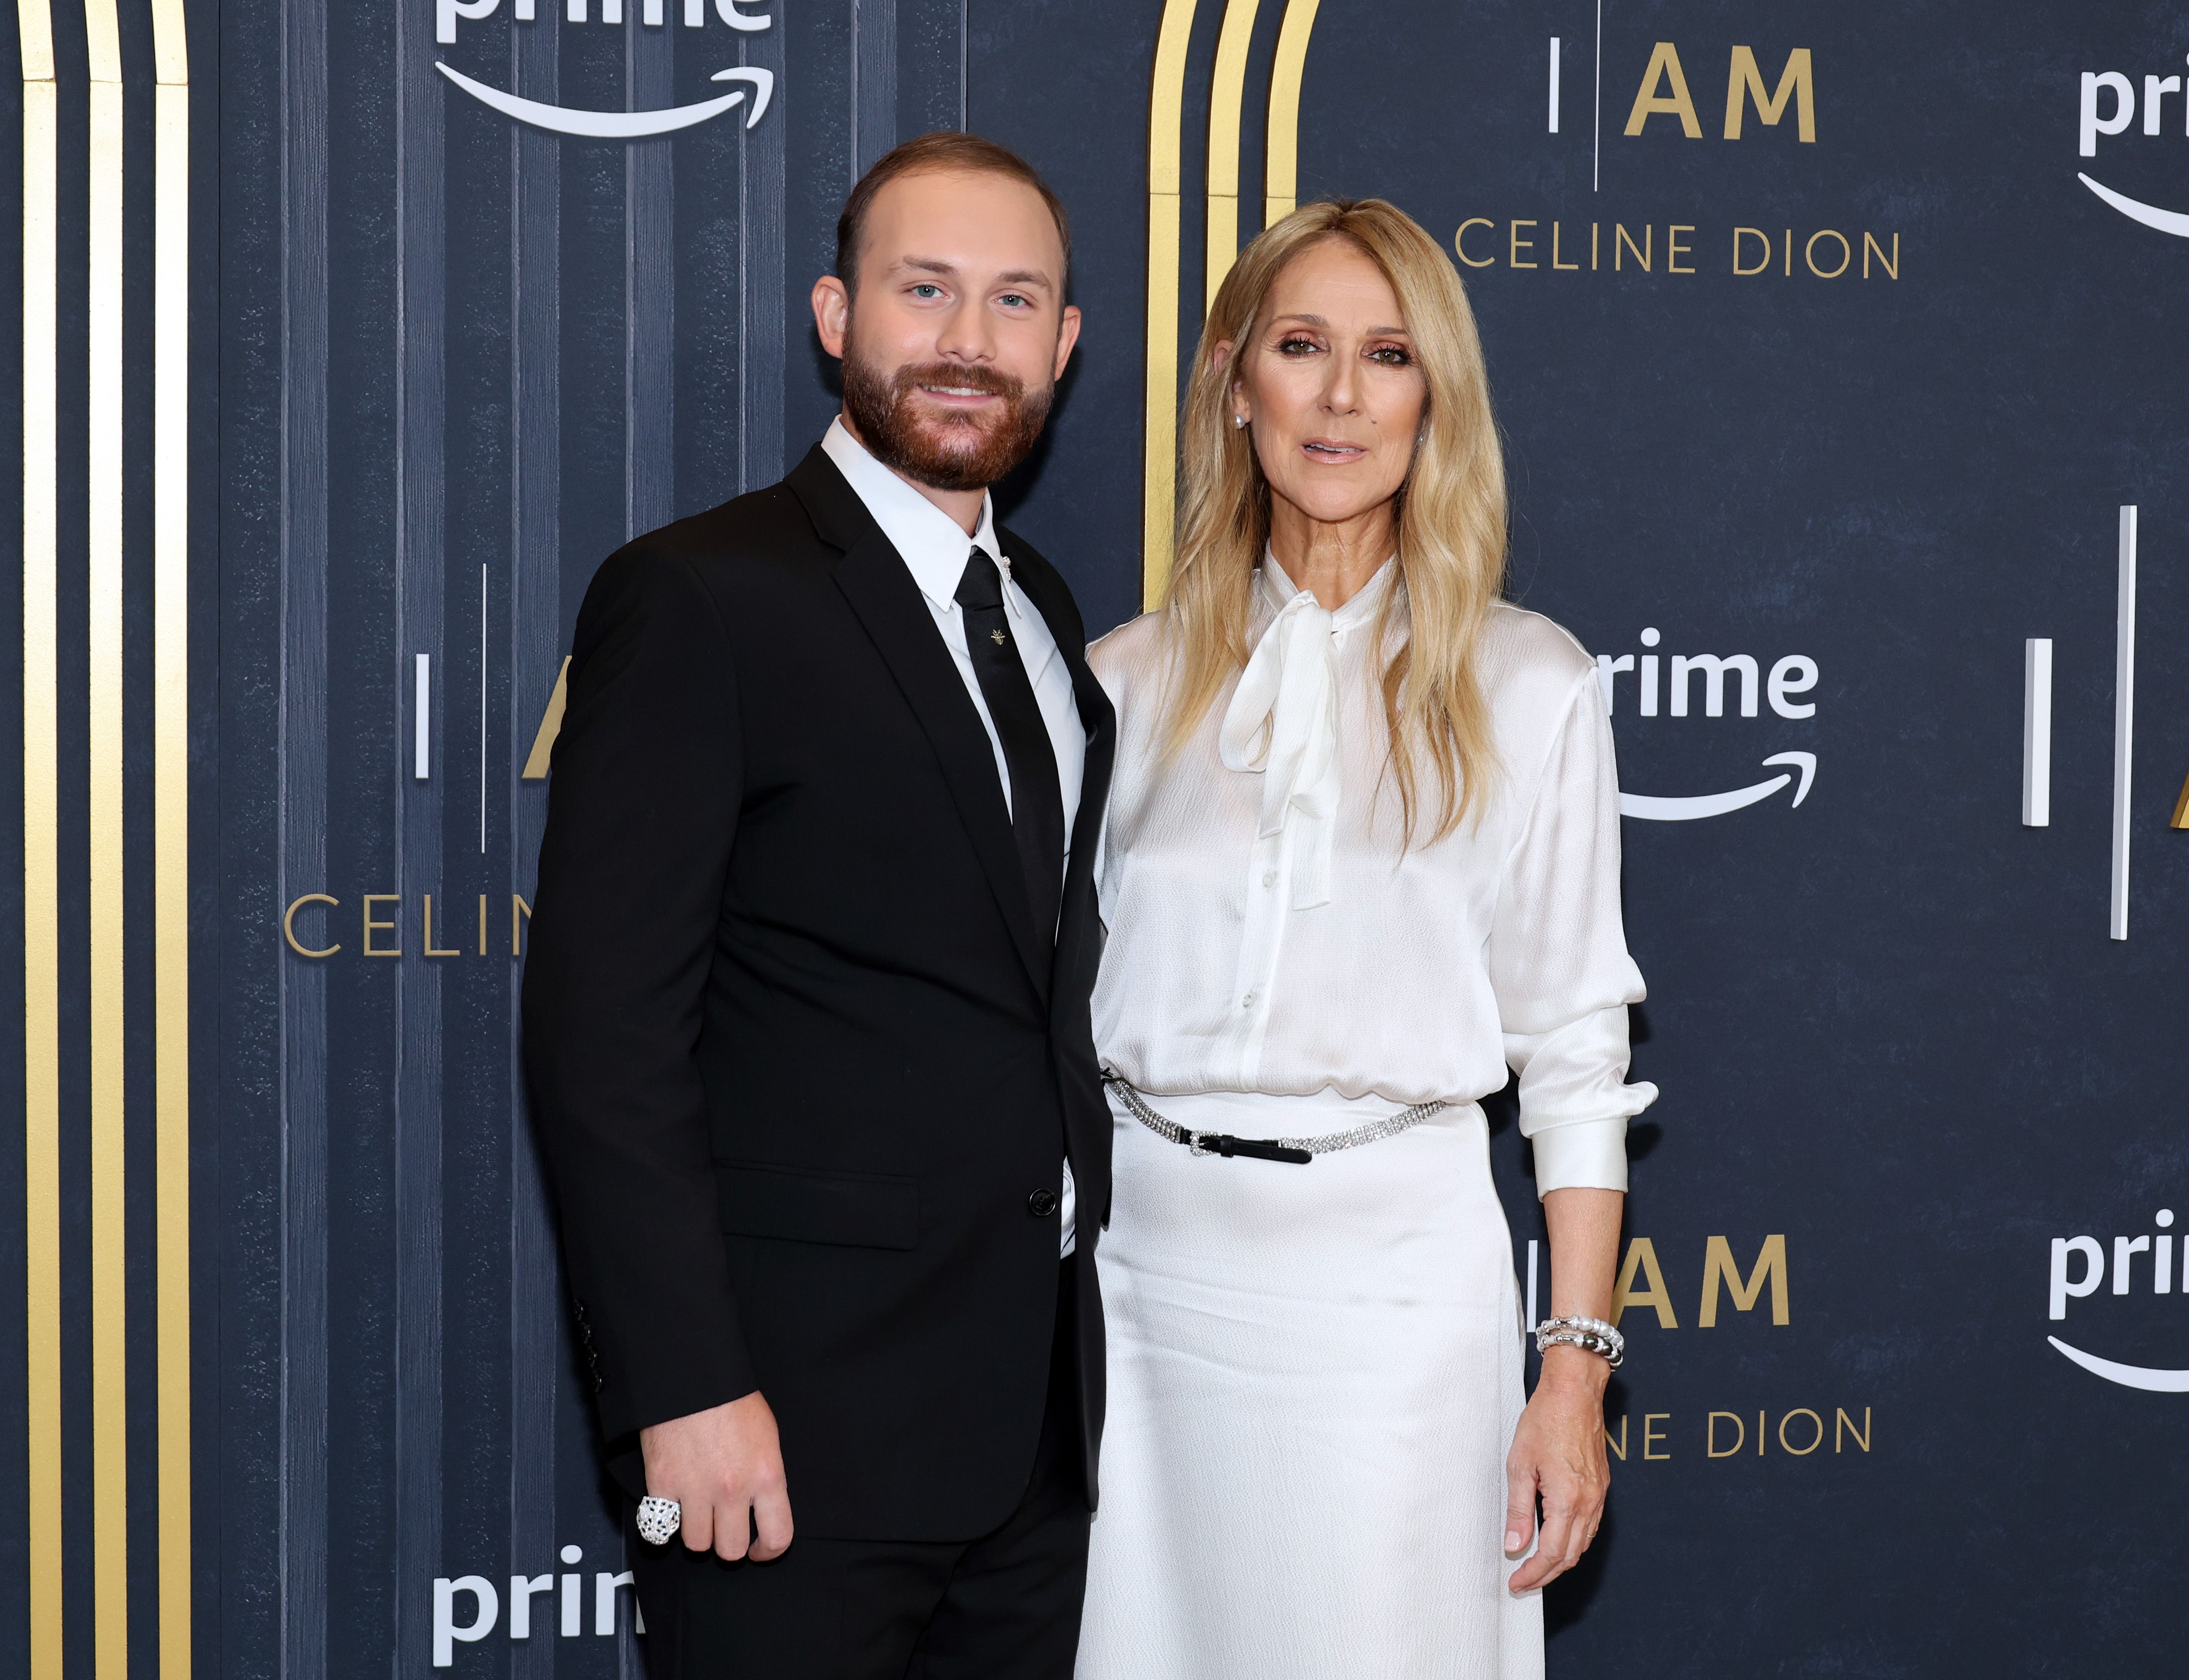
(1590, 1335)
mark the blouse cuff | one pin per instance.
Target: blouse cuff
(1582, 1155)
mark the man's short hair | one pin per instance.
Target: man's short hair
(943, 151)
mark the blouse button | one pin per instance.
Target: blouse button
(1246, 1002)
(1269, 878)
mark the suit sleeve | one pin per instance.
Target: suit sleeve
(642, 810)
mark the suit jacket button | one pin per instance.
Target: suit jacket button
(1041, 1204)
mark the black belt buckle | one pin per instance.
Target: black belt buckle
(1256, 1149)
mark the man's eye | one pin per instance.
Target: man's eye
(1013, 300)
(926, 288)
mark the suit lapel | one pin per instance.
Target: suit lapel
(875, 579)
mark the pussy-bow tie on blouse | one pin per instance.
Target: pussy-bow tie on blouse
(1282, 724)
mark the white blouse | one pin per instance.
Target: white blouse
(1266, 931)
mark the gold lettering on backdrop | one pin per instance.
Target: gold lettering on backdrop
(288, 924)
(1719, 1264)
(1641, 1257)
(372, 927)
(1869, 244)
(1616, 1447)
(1594, 228)
(1674, 250)
(1664, 65)
(481, 924)
(1459, 242)
(1622, 244)
(1789, 253)
(1651, 1436)
(1520, 244)
(1745, 78)
(1759, 1433)
(1809, 253)
(453, 951)
(1555, 263)
(517, 907)
(551, 726)
(1739, 235)
(1739, 1434)
(1815, 1441)
(1846, 1424)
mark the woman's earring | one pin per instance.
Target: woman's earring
(1238, 422)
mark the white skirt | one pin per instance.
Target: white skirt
(1313, 1377)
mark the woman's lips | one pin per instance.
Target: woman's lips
(1329, 450)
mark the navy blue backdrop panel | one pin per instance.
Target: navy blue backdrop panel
(1843, 423)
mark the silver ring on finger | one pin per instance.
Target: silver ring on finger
(658, 1519)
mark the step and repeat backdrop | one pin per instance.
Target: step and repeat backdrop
(1838, 355)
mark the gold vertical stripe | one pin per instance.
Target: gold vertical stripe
(1227, 98)
(1281, 156)
(34, 26)
(41, 1105)
(1166, 122)
(171, 53)
(171, 822)
(110, 1268)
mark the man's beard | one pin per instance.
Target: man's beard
(948, 451)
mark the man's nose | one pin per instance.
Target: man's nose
(967, 335)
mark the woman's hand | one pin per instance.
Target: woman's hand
(1558, 1452)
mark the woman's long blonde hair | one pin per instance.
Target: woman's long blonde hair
(1450, 509)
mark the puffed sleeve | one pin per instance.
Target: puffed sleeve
(1558, 961)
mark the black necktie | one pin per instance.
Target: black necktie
(1037, 801)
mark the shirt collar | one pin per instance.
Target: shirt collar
(1278, 590)
(934, 545)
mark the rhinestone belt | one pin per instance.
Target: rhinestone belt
(1294, 1151)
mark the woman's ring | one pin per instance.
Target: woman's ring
(658, 1519)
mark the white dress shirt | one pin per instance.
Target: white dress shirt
(935, 549)
(1269, 933)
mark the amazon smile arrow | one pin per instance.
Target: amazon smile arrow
(1652, 809)
(2150, 1379)
(623, 125)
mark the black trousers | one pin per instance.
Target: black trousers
(1003, 1607)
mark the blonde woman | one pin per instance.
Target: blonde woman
(1362, 856)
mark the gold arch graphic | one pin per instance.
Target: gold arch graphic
(1281, 170)
(106, 397)
(1227, 107)
(170, 815)
(1227, 99)
(41, 1103)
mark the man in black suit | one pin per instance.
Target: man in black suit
(806, 1008)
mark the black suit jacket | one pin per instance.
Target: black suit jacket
(802, 1064)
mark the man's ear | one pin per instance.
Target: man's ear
(1067, 335)
(832, 314)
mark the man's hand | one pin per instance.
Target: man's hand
(724, 1466)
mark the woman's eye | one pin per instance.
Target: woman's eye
(1391, 356)
(1297, 346)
